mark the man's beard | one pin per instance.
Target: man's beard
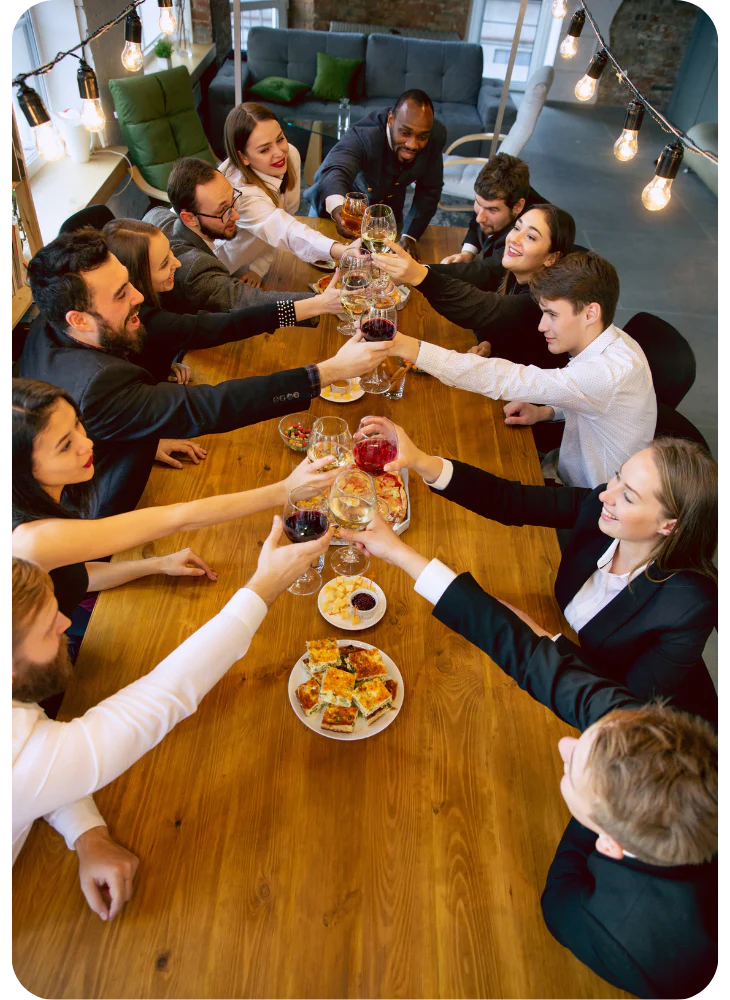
(37, 681)
(211, 235)
(120, 342)
(401, 163)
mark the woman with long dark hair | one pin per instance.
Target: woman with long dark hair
(493, 297)
(53, 469)
(266, 170)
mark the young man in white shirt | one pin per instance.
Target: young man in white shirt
(57, 765)
(605, 394)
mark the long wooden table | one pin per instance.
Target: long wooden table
(275, 862)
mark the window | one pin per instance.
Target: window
(260, 13)
(493, 26)
(25, 56)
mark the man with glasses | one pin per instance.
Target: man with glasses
(205, 204)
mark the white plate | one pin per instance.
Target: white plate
(339, 622)
(336, 397)
(324, 265)
(362, 731)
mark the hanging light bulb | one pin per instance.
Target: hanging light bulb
(167, 21)
(657, 192)
(132, 58)
(47, 139)
(569, 45)
(585, 88)
(92, 115)
(627, 144)
(559, 8)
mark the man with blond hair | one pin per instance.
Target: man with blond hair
(632, 889)
(58, 765)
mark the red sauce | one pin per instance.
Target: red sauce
(364, 602)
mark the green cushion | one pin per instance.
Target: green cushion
(335, 77)
(279, 90)
(159, 123)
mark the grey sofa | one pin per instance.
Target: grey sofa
(449, 72)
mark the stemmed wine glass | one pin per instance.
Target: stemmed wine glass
(376, 444)
(352, 210)
(378, 225)
(378, 323)
(355, 286)
(305, 519)
(352, 503)
(330, 436)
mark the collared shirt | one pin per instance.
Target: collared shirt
(333, 201)
(605, 394)
(57, 765)
(599, 590)
(263, 228)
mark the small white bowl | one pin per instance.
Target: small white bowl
(341, 389)
(370, 611)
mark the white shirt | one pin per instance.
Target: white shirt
(264, 228)
(57, 765)
(605, 394)
(599, 590)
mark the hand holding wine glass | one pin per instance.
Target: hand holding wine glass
(408, 454)
(376, 445)
(378, 325)
(279, 565)
(354, 297)
(306, 520)
(330, 436)
(399, 264)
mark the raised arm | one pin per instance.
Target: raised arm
(339, 170)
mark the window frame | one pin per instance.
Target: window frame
(544, 46)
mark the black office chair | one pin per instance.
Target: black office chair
(671, 359)
(672, 423)
(96, 216)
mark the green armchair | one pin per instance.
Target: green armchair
(159, 124)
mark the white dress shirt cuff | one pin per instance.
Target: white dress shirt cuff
(445, 476)
(74, 819)
(434, 580)
(333, 201)
(559, 415)
(248, 606)
(470, 248)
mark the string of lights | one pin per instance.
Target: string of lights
(658, 191)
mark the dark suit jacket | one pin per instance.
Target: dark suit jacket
(492, 245)
(362, 160)
(466, 294)
(127, 405)
(649, 638)
(647, 929)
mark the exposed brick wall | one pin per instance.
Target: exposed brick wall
(211, 23)
(648, 37)
(202, 21)
(437, 15)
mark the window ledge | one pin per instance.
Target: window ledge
(63, 187)
(197, 63)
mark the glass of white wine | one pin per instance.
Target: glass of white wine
(353, 504)
(330, 436)
(378, 225)
(355, 286)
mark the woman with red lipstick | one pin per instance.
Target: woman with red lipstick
(53, 474)
(637, 581)
(267, 171)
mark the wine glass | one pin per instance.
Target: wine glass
(378, 323)
(330, 436)
(353, 504)
(354, 288)
(305, 519)
(378, 225)
(354, 257)
(353, 207)
(376, 444)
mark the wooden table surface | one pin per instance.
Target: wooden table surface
(275, 862)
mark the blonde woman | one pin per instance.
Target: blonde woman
(266, 170)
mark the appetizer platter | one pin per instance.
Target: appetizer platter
(351, 602)
(324, 265)
(345, 690)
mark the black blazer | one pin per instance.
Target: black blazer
(649, 638)
(128, 405)
(492, 245)
(647, 929)
(362, 160)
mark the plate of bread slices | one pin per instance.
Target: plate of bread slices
(345, 690)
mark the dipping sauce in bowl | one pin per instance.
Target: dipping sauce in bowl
(365, 601)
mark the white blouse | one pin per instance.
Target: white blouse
(599, 590)
(264, 228)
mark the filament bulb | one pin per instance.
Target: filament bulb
(626, 146)
(568, 46)
(559, 8)
(657, 194)
(585, 88)
(132, 58)
(167, 21)
(48, 142)
(92, 115)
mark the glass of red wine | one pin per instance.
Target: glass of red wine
(306, 519)
(376, 444)
(378, 322)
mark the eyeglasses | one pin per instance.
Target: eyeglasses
(225, 216)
